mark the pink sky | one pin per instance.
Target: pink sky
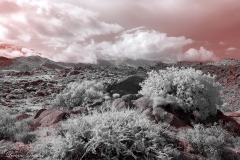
(84, 31)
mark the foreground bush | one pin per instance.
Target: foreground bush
(14, 130)
(110, 135)
(76, 94)
(189, 88)
(208, 141)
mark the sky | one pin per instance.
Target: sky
(85, 31)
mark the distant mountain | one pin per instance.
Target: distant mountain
(31, 62)
(28, 63)
(5, 61)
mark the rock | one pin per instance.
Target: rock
(36, 83)
(96, 103)
(80, 110)
(148, 112)
(159, 113)
(30, 89)
(177, 111)
(39, 94)
(116, 95)
(129, 97)
(107, 98)
(73, 72)
(184, 145)
(119, 103)
(47, 118)
(235, 126)
(179, 123)
(38, 113)
(138, 96)
(141, 104)
(233, 114)
(173, 119)
(22, 116)
(129, 85)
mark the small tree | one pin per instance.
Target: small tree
(189, 88)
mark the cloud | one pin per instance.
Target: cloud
(202, 20)
(231, 49)
(51, 27)
(143, 44)
(13, 51)
(10, 53)
(199, 55)
(83, 31)
(8, 6)
(222, 43)
(137, 43)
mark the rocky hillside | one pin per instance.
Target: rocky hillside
(29, 87)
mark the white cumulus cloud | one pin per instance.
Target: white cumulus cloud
(199, 55)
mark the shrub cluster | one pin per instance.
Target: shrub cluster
(209, 141)
(108, 135)
(14, 130)
(189, 88)
(76, 94)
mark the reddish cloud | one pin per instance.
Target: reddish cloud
(204, 20)
(83, 31)
(8, 6)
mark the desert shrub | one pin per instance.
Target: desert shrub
(189, 88)
(76, 94)
(206, 140)
(6, 126)
(22, 131)
(108, 135)
(14, 130)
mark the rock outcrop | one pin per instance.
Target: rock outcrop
(45, 118)
(129, 85)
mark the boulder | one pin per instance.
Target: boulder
(148, 112)
(235, 126)
(39, 94)
(159, 114)
(116, 95)
(129, 85)
(119, 103)
(79, 110)
(22, 116)
(45, 118)
(129, 97)
(141, 104)
(39, 112)
(107, 98)
(173, 119)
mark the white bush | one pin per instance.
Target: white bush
(190, 88)
(76, 94)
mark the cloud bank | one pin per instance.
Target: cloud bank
(83, 31)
